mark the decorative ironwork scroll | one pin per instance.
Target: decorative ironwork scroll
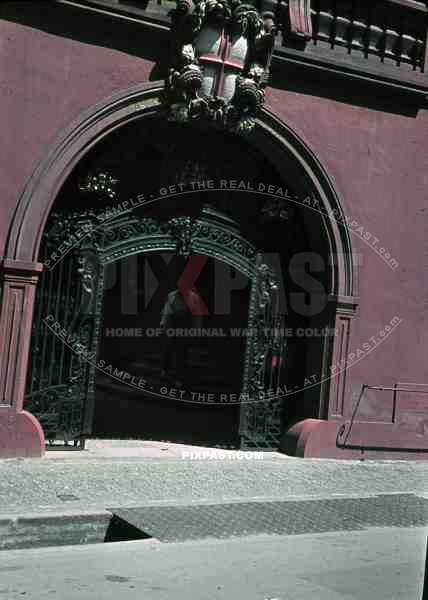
(222, 51)
(100, 183)
(181, 228)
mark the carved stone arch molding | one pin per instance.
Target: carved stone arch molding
(20, 433)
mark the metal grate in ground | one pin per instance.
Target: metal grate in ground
(193, 522)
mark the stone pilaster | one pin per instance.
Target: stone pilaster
(20, 432)
(345, 308)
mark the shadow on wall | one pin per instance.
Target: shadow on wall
(92, 28)
(312, 82)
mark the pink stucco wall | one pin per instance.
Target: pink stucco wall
(379, 164)
(46, 81)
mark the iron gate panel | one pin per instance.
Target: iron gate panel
(61, 383)
(260, 418)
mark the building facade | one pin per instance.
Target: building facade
(269, 158)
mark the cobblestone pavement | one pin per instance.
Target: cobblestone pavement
(97, 482)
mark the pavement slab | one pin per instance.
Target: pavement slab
(378, 564)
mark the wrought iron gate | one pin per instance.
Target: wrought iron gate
(69, 307)
(60, 385)
(260, 417)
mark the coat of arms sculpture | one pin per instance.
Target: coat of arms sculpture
(220, 65)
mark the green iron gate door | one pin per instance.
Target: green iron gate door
(69, 306)
(60, 385)
(260, 418)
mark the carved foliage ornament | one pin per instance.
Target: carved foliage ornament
(182, 231)
(220, 66)
(100, 183)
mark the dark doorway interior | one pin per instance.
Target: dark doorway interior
(136, 292)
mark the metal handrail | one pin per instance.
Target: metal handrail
(396, 389)
(344, 444)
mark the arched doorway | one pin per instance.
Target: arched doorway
(295, 160)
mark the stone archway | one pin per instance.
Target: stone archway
(21, 433)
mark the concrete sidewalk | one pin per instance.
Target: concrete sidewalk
(134, 473)
(379, 564)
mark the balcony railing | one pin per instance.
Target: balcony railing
(392, 32)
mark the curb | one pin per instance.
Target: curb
(54, 529)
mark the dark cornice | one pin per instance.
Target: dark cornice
(361, 75)
(367, 76)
